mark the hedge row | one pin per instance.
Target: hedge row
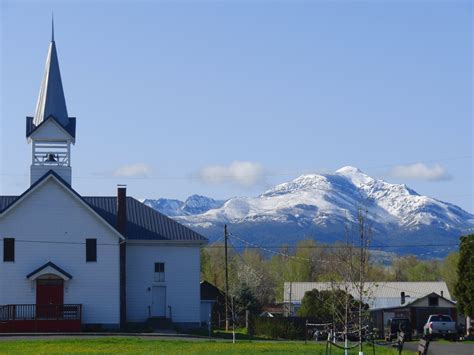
(292, 328)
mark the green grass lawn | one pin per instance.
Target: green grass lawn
(149, 346)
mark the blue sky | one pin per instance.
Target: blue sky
(229, 98)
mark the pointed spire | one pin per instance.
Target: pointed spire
(52, 27)
(51, 100)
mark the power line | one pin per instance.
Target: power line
(268, 250)
(261, 174)
(327, 246)
(250, 245)
(59, 242)
(215, 242)
(251, 269)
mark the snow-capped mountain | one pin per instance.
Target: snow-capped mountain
(197, 204)
(194, 204)
(322, 206)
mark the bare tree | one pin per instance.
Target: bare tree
(351, 260)
(365, 235)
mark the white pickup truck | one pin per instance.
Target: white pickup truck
(440, 325)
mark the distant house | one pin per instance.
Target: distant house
(414, 300)
(273, 310)
(71, 261)
(417, 310)
(212, 300)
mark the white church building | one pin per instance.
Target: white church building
(70, 262)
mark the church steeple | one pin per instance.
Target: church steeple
(52, 27)
(51, 131)
(51, 100)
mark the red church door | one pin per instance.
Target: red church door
(49, 298)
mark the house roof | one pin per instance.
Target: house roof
(6, 201)
(432, 294)
(209, 292)
(380, 294)
(143, 222)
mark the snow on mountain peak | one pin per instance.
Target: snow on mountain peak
(322, 204)
(303, 182)
(348, 170)
(355, 175)
(194, 204)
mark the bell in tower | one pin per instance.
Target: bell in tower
(51, 131)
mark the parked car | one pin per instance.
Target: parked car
(395, 325)
(440, 325)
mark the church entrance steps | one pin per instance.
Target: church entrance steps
(160, 323)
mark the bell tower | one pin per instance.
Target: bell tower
(51, 131)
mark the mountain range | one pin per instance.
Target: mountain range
(325, 207)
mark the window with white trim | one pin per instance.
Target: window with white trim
(159, 272)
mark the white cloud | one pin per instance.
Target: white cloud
(420, 171)
(133, 170)
(245, 173)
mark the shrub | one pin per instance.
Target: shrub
(280, 328)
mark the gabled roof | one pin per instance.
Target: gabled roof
(379, 294)
(143, 222)
(53, 267)
(70, 128)
(432, 294)
(209, 292)
(6, 201)
(50, 174)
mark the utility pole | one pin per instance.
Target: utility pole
(363, 244)
(289, 310)
(226, 281)
(361, 287)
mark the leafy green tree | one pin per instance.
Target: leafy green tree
(316, 304)
(324, 304)
(213, 265)
(376, 272)
(464, 289)
(449, 270)
(424, 271)
(253, 271)
(400, 266)
(409, 268)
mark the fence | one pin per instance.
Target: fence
(40, 312)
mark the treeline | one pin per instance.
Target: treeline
(264, 272)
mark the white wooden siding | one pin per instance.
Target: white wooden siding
(182, 275)
(50, 131)
(52, 225)
(38, 171)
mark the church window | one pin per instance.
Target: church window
(159, 272)
(8, 249)
(91, 250)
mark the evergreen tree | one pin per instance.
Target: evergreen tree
(464, 289)
(245, 300)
